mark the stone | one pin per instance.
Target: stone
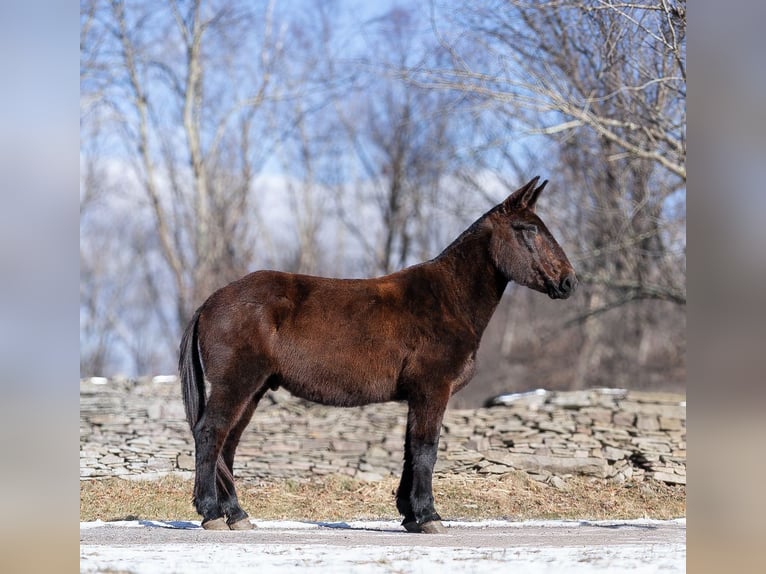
(598, 414)
(557, 482)
(458, 432)
(555, 465)
(348, 446)
(609, 399)
(375, 452)
(651, 444)
(90, 472)
(159, 464)
(557, 427)
(478, 443)
(670, 478)
(584, 439)
(676, 411)
(185, 461)
(543, 476)
(323, 469)
(283, 446)
(625, 419)
(611, 453)
(656, 397)
(571, 400)
(495, 469)
(464, 456)
(647, 422)
(648, 457)
(111, 459)
(511, 425)
(109, 419)
(667, 423)
(673, 459)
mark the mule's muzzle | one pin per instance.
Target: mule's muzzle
(565, 288)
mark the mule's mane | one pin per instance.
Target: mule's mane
(476, 231)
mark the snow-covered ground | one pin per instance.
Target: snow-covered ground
(572, 547)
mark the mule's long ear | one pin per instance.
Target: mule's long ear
(525, 197)
(534, 194)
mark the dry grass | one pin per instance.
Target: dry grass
(514, 496)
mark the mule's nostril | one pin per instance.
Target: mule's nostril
(568, 283)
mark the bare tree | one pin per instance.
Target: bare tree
(200, 233)
(605, 83)
(405, 145)
(187, 86)
(409, 132)
(193, 99)
(616, 68)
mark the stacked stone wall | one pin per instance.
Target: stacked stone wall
(137, 429)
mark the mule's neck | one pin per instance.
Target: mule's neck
(476, 285)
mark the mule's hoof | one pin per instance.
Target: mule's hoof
(433, 527)
(243, 524)
(215, 524)
(412, 526)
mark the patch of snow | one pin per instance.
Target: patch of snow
(98, 380)
(322, 558)
(513, 397)
(326, 559)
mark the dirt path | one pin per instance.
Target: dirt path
(370, 547)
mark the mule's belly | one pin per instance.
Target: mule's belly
(338, 366)
(330, 389)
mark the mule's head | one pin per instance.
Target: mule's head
(524, 250)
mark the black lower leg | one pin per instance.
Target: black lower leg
(206, 454)
(403, 504)
(415, 497)
(421, 497)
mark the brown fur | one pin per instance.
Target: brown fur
(411, 336)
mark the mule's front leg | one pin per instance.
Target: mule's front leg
(421, 444)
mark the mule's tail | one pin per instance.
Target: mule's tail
(190, 371)
(193, 389)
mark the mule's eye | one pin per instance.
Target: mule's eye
(526, 228)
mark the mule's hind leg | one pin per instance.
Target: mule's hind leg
(225, 407)
(236, 518)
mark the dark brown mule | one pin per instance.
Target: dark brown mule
(409, 336)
